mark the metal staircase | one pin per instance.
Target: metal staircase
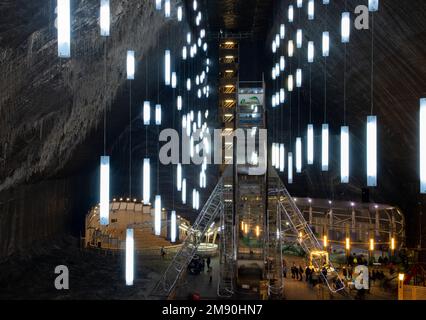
(211, 210)
(289, 211)
(225, 288)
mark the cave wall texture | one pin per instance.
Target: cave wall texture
(399, 83)
(51, 110)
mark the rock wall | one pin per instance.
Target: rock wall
(51, 109)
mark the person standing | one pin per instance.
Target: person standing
(300, 272)
(208, 262)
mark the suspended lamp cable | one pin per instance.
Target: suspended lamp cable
(372, 63)
(130, 138)
(325, 69)
(105, 94)
(344, 78)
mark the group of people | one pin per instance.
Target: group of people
(298, 271)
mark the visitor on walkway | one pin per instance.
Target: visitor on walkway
(308, 273)
(345, 273)
(162, 252)
(300, 273)
(208, 262)
(350, 272)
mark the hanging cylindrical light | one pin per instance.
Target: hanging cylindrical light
(274, 47)
(130, 65)
(348, 244)
(311, 10)
(64, 28)
(273, 157)
(188, 84)
(167, 67)
(373, 5)
(130, 248)
(310, 144)
(422, 139)
(184, 53)
(179, 177)
(344, 154)
(158, 114)
(311, 51)
(290, 49)
(282, 95)
(372, 151)
(104, 18)
(179, 103)
(174, 80)
(146, 181)
(282, 159)
(324, 147)
(290, 13)
(325, 44)
(173, 227)
(299, 3)
(298, 155)
(282, 63)
(290, 168)
(146, 113)
(157, 215)
(371, 244)
(299, 38)
(179, 13)
(298, 78)
(290, 83)
(104, 191)
(158, 4)
(282, 31)
(167, 8)
(184, 191)
(346, 27)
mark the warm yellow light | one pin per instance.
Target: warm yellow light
(242, 225)
(229, 71)
(246, 228)
(401, 277)
(372, 244)
(257, 231)
(325, 242)
(300, 234)
(348, 243)
(229, 57)
(229, 86)
(229, 43)
(393, 244)
(228, 115)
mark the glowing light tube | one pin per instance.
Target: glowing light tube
(372, 151)
(105, 18)
(282, 159)
(146, 181)
(290, 49)
(273, 154)
(158, 114)
(158, 4)
(282, 31)
(324, 147)
(157, 217)
(311, 51)
(64, 28)
(174, 80)
(104, 191)
(290, 13)
(179, 13)
(167, 67)
(277, 155)
(184, 191)
(173, 227)
(290, 83)
(298, 78)
(325, 44)
(373, 5)
(146, 113)
(130, 65)
(167, 8)
(299, 3)
(282, 95)
(179, 177)
(310, 144)
(282, 63)
(311, 10)
(298, 155)
(290, 167)
(299, 38)
(179, 103)
(194, 199)
(130, 251)
(423, 145)
(344, 154)
(346, 27)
